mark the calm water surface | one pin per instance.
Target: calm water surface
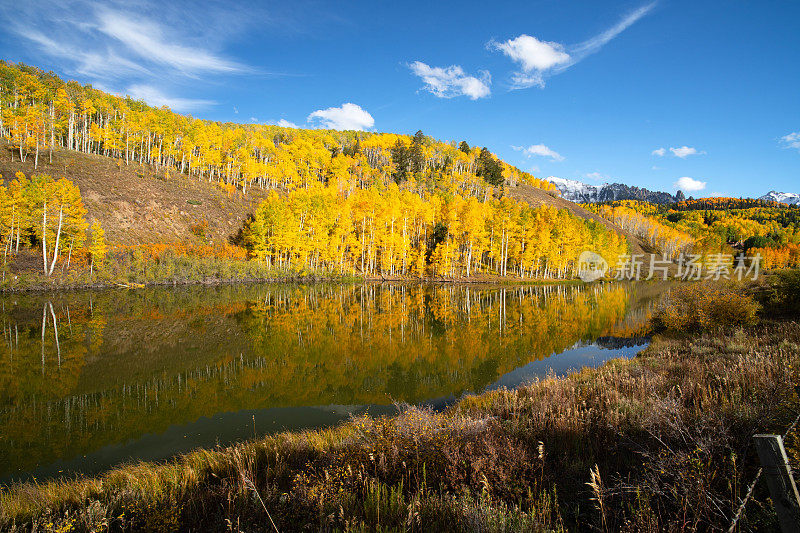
(92, 379)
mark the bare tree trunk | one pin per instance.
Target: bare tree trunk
(44, 237)
(58, 237)
(70, 135)
(52, 131)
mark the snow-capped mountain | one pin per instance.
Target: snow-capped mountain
(782, 197)
(579, 192)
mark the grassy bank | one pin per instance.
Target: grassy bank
(658, 442)
(138, 266)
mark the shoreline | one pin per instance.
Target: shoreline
(289, 279)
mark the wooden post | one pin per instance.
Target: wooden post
(779, 479)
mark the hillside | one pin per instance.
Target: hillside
(324, 201)
(537, 197)
(137, 205)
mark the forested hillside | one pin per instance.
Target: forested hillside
(321, 201)
(40, 112)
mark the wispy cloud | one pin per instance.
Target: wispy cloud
(539, 59)
(596, 176)
(660, 152)
(539, 150)
(590, 46)
(791, 140)
(689, 184)
(156, 50)
(146, 39)
(102, 63)
(113, 43)
(348, 116)
(452, 81)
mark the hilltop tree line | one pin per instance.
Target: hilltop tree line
(39, 113)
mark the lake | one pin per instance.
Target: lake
(92, 379)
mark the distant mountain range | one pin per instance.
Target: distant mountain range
(582, 193)
(579, 192)
(782, 197)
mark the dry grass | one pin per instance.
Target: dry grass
(664, 439)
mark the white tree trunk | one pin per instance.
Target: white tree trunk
(44, 237)
(58, 238)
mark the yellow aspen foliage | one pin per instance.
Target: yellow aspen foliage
(97, 245)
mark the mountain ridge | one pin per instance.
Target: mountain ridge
(579, 192)
(789, 198)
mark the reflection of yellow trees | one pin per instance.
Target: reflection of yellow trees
(141, 362)
(46, 367)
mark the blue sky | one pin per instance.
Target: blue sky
(648, 94)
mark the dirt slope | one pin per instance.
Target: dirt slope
(136, 204)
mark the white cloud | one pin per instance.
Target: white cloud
(792, 140)
(155, 97)
(283, 123)
(253, 119)
(538, 59)
(689, 184)
(451, 81)
(684, 151)
(347, 117)
(539, 150)
(533, 56)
